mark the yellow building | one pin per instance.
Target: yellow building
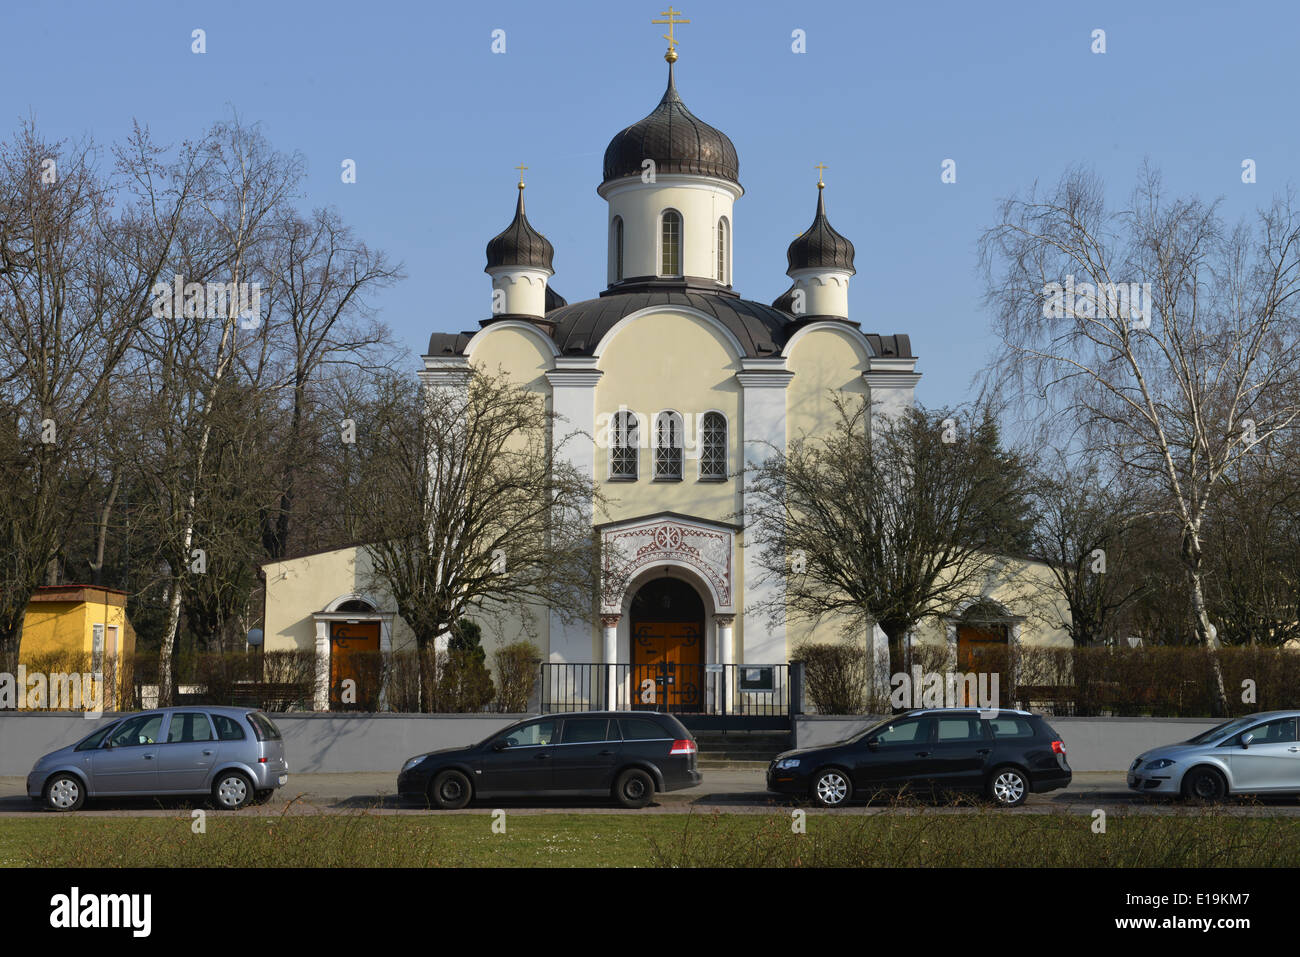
(79, 629)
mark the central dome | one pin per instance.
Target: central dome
(677, 141)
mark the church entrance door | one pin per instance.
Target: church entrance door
(668, 641)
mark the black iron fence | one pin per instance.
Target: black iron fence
(727, 690)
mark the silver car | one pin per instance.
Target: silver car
(1257, 754)
(233, 754)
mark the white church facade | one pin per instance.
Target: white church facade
(668, 383)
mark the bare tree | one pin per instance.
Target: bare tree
(1168, 339)
(470, 505)
(888, 524)
(1082, 528)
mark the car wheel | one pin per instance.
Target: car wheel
(64, 792)
(831, 788)
(232, 790)
(1008, 786)
(1204, 784)
(450, 791)
(634, 788)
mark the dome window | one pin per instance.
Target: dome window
(670, 248)
(724, 251)
(618, 248)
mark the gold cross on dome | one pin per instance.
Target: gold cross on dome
(521, 169)
(820, 168)
(670, 36)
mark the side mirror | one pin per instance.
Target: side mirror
(873, 744)
(500, 744)
(1246, 739)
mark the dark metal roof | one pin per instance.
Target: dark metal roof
(449, 343)
(676, 139)
(519, 244)
(820, 245)
(579, 327)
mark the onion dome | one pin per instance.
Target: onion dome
(677, 141)
(820, 246)
(519, 244)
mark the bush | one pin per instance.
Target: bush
(836, 676)
(516, 676)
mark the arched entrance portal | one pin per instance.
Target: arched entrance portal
(667, 645)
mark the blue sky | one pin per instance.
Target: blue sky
(885, 92)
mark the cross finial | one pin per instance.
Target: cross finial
(820, 168)
(521, 167)
(670, 36)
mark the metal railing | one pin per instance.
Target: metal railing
(737, 689)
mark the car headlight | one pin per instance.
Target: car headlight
(1136, 763)
(413, 762)
(1159, 763)
(787, 763)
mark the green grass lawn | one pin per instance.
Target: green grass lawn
(652, 840)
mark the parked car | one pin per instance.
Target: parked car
(1004, 754)
(1257, 754)
(234, 754)
(628, 755)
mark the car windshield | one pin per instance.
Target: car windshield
(1222, 730)
(875, 727)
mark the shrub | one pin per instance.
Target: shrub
(836, 676)
(516, 676)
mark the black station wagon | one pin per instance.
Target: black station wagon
(627, 755)
(1003, 754)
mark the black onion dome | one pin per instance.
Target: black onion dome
(820, 246)
(519, 244)
(676, 139)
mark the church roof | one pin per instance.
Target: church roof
(820, 245)
(580, 327)
(676, 139)
(519, 244)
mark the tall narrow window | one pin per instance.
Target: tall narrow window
(724, 251)
(671, 244)
(713, 447)
(668, 447)
(618, 248)
(625, 439)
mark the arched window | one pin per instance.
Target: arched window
(724, 251)
(670, 244)
(617, 241)
(668, 447)
(713, 447)
(625, 439)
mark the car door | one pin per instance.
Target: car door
(1272, 760)
(127, 762)
(895, 755)
(587, 755)
(962, 745)
(188, 751)
(521, 760)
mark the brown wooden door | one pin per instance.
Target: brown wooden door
(348, 639)
(980, 650)
(668, 666)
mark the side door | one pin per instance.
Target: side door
(186, 756)
(127, 762)
(587, 754)
(962, 745)
(896, 755)
(521, 760)
(1272, 760)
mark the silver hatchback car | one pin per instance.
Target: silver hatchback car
(233, 754)
(1257, 754)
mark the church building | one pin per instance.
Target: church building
(680, 383)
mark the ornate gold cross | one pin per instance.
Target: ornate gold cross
(670, 36)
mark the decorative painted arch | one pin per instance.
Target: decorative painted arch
(852, 333)
(737, 350)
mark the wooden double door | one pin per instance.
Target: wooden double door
(981, 649)
(668, 666)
